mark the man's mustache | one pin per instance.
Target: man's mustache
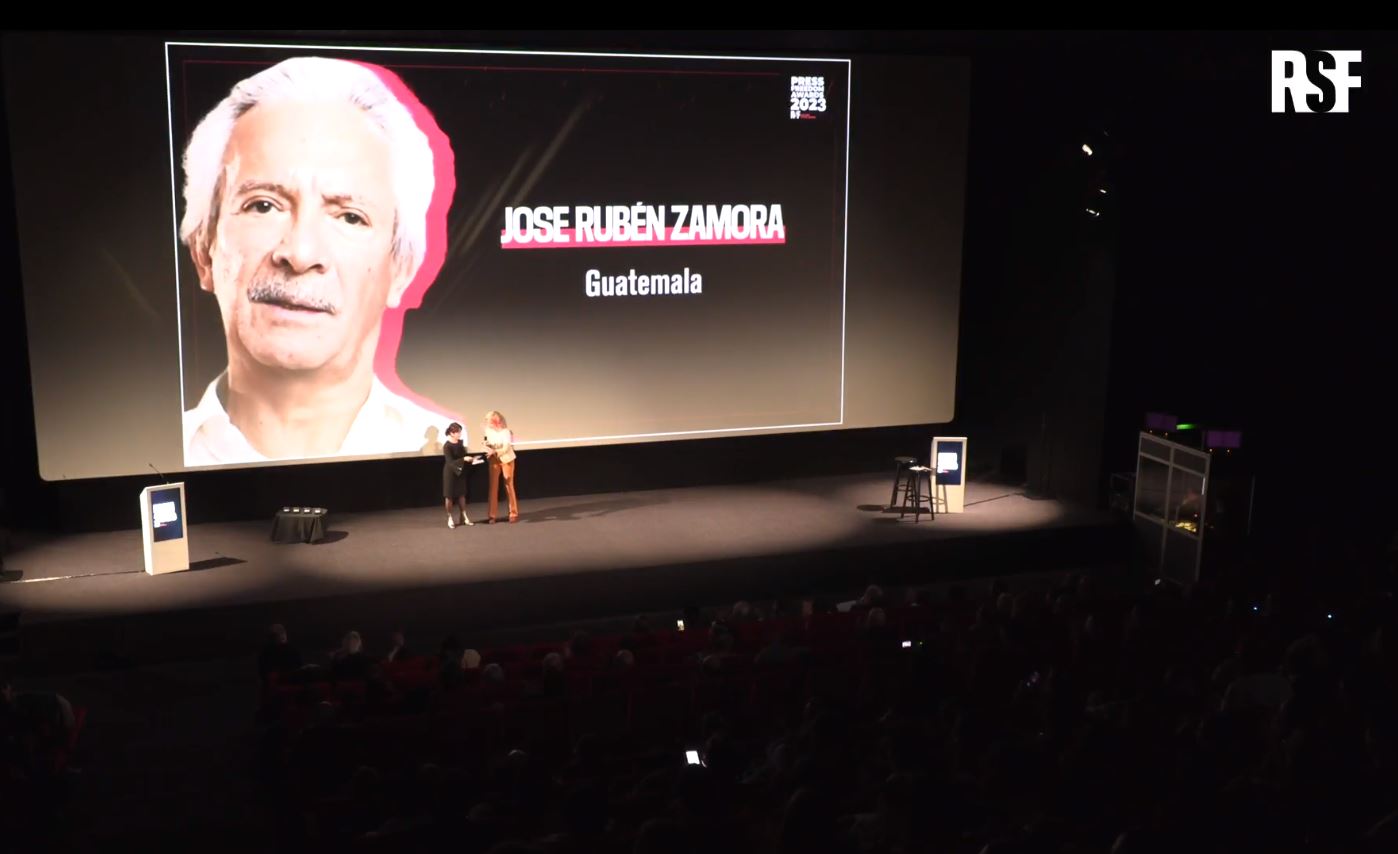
(279, 292)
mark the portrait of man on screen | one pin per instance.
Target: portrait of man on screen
(308, 192)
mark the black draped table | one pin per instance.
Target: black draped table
(299, 525)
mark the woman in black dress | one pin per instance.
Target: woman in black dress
(454, 473)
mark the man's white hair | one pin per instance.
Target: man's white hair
(313, 78)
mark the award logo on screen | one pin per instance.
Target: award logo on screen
(164, 514)
(807, 97)
(166, 523)
(1312, 81)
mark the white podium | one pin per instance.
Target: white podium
(948, 464)
(163, 535)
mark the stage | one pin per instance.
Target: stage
(85, 600)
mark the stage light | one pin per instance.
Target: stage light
(1087, 149)
(1092, 212)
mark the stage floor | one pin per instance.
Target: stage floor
(567, 558)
